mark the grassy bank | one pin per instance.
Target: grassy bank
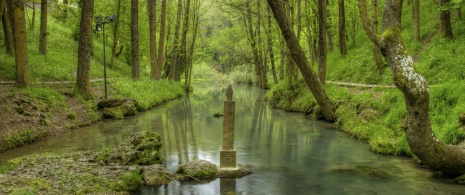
(46, 109)
(376, 115)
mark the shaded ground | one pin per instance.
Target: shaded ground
(25, 120)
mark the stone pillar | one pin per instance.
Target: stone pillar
(228, 151)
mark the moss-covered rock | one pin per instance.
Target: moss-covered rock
(156, 175)
(86, 172)
(141, 148)
(118, 108)
(198, 170)
(241, 171)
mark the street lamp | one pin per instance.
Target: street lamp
(100, 26)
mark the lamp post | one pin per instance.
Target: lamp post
(100, 26)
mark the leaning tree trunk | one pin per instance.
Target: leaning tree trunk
(43, 28)
(300, 58)
(84, 49)
(20, 40)
(420, 137)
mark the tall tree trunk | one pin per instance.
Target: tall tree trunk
(195, 27)
(115, 34)
(252, 42)
(342, 29)
(43, 27)
(445, 26)
(282, 57)
(374, 22)
(7, 28)
(84, 49)
(299, 57)
(152, 4)
(135, 70)
(20, 39)
(33, 16)
(270, 46)
(416, 19)
(174, 68)
(329, 33)
(161, 42)
(263, 78)
(183, 48)
(322, 41)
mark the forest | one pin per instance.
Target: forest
(388, 73)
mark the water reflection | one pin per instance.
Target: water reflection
(289, 153)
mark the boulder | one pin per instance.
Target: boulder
(198, 170)
(118, 108)
(241, 171)
(156, 175)
(141, 148)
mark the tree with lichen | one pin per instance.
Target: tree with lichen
(423, 143)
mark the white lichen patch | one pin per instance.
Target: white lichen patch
(415, 82)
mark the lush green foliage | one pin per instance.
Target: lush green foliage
(146, 92)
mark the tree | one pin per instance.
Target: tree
(416, 19)
(161, 42)
(174, 68)
(115, 34)
(152, 4)
(270, 46)
(33, 16)
(322, 41)
(43, 27)
(84, 49)
(7, 28)
(342, 29)
(135, 39)
(371, 28)
(449, 159)
(445, 26)
(310, 77)
(20, 41)
(252, 41)
(183, 46)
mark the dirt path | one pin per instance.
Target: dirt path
(345, 84)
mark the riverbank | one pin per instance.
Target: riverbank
(375, 114)
(33, 113)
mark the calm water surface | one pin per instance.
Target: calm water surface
(289, 153)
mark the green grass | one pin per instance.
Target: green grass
(146, 92)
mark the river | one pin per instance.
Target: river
(289, 153)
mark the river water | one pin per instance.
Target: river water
(289, 153)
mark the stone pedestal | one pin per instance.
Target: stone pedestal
(228, 151)
(228, 158)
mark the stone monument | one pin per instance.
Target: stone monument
(228, 151)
